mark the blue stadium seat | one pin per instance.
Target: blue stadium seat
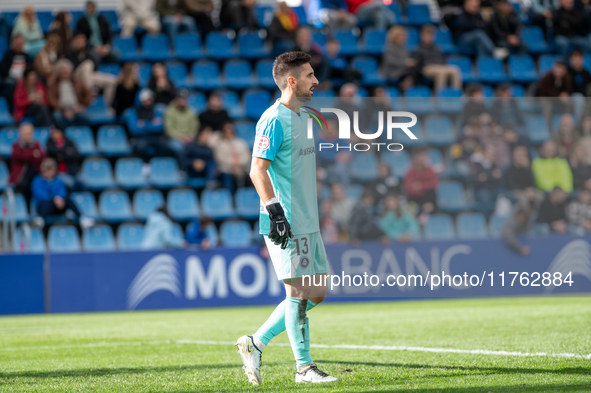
(10, 16)
(197, 101)
(99, 113)
(45, 18)
(188, 47)
(178, 74)
(370, 70)
(349, 42)
(220, 45)
(318, 37)
(439, 227)
(41, 135)
(465, 65)
(247, 203)
(418, 14)
(327, 97)
(419, 100)
(114, 206)
(127, 48)
(355, 191)
(238, 75)
(471, 226)
(522, 69)
(440, 130)
(145, 72)
(449, 100)
(533, 37)
(7, 138)
(86, 203)
(399, 162)
(3, 47)
(395, 8)
(131, 119)
(217, 204)
(246, 130)
(401, 137)
(164, 172)
(146, 201)
(264, 72)
(21, 213)
(373, 41)
(98, 239)
(451, 197)
(63, 238)
(182, 205)
(445, 42)
(232, 104)
(5, 116)
(537, 128)
(263, 14)
(112, 141)
(495, 224)
(130, 236)
(129, 173)
(112, 69)
(256, 102)
(491, 70)
(301, 12)
(4, 175)
(546, 62)
(156, 47)
(364, 167)
(251, 45)
(437, 160)
(113, 19)
(206, 75)
(37, 245)
(96, 174)
(235, 233)
(413, 39)
(76, 14)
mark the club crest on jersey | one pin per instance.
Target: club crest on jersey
(304, 262)
(263, 143)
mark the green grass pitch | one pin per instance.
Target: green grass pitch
(155, 351)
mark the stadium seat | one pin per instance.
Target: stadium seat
(537, 128)
(114, 206)
(546, 62)
(451, 197)
(220, 45)
(264, 72)
(145, 202)
(7, 138)
(349, 42)
(369, 69)
(21, 213)
(395, 8)
(5, 116)
(99, 112)
(437, 161)
(232, 104)
(197, 101)
(419, 100)
(3, 47)
(445, 42)
(156, 47)
(4, 175)
(439, 227)
(127, 49)
(63, 238)
(238, 75)
(82, 138)
(206, 75)
(326, 98)
(251, 44)
(247, 203)
(418, 14)
(364, 167)
(246, 130)
(465, 65)
(98, 238)
(188, 47)
(41, 135)
(522, 69)
(45, 18)
(399, 162)
(129, 173)
(217, 204)
(37, 241)
(373, 41)
(112, 141)
(471, 226)
(177, 72)
(355, 191)
(182, 205)
(439, 130)
(491, 70)
(255, 103)
(130, 236)
(145, 72)
(235, 234)
(319, 38)
(86, 203)
(301, 13)
(130, 118)
(113, 18)
(449, 101)
(113, 69)
(413, 39)
(495, 224)
(263, 14)
(164, 172)
(96, 174)
(533, 37)
(400, 136)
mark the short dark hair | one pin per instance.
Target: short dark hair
(576, 52)
(285, 65)
(28, 70)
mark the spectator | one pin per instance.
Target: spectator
(159, 232)
(98, 33)
(385, 184)
(197, 159)
(505, 28)
(329, 227)
(493, 135)
(552, 213)
(551, 171)
(578, 212)
(348, 99)
(238, 14)
(569, 28)
(475, 108)
(48, 56)
(127, 88)
(585, 140)
(555, 84)
(580, 167)
(197, 232)
(396, 62)
(180, 122)
(12, 68)
(333, 14)
(431, 61)
(232, 156)
(200, 11)
(486, 175)
(421, 182)
(466, 145)
(283, 27)
(62, 26)
(173, 14)
(470, 31)
(146, 110)
(162, 87)
(25, 159)
(305, 44)
(519, 179)
(152, 143)
(579, 75)
(374, 12)
(65, 153)
(27, 25)
(215, 116)
(397, 223)
(541, 13)
(85, 65)
(30, 100)
(68, 96)
(505, 111)
(518, 223)
(364, 221)
(342, 205)
(566, 136)
(140, 13)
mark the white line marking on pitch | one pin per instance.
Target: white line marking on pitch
(327, 346)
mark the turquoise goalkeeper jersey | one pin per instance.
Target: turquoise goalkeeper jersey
(281, 137)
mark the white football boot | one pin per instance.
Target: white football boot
(311, 374)
(251, 359)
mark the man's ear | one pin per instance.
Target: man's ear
(290, 81)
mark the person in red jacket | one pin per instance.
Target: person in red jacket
(421, 181)
(25, 159)
(30, 100)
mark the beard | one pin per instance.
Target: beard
(303, 95)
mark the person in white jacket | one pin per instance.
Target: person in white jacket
(136, 13)
(159, 233)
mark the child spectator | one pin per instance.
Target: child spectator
(159, 232)
(196, 233)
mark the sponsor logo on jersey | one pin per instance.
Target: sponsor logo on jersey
(304, 262)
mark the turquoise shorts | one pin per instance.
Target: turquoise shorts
(304, 256)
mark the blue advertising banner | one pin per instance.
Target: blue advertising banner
(21, 284)
(232, 277)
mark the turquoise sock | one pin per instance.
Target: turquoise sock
(275, 324)
(298, 329)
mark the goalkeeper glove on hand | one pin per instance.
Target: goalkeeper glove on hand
(280, 230)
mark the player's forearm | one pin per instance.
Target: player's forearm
(262, 183)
